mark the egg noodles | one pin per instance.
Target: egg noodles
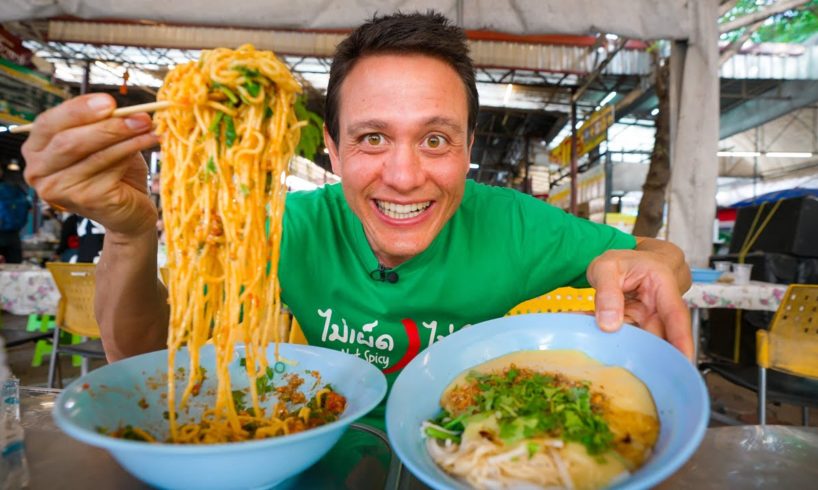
(226, 143)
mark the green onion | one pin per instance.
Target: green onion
(229, 131)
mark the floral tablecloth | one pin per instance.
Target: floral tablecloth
(753, 296)
(27, 290)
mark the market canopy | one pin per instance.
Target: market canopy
(639, 19)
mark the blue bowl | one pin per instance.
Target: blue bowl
(677, 387)
(705, 275)
(113, 396)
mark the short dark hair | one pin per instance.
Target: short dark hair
(430, 34)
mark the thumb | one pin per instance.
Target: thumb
(610, 300)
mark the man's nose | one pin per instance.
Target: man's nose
(403, 169)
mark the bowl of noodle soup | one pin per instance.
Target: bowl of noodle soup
(133, 392)
(680, 396)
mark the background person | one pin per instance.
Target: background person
(14, 208)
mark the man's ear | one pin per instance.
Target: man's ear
(332, 148)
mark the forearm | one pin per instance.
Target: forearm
(130, 303)
(671, 255)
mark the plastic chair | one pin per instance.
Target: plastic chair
(75, 314)
(296, 335)
(791, 344)
(561, 299)
(786, 355)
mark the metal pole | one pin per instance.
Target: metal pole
(608, 184)
(86, 78)
(573, 208)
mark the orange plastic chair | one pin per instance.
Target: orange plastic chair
(75, 314)
(791, 343)
(561, 299)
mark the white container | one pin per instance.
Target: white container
(741, 273)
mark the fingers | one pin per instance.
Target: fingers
(675, 316)
(62, 187)
(73, 145)
(604, 275)
(82, 110)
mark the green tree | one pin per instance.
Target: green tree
(792, 26)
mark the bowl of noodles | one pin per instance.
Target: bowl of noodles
(309, 398)
(547, 401)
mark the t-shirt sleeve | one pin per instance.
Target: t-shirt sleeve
(556, 247)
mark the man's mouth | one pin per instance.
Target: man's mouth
(402, 211)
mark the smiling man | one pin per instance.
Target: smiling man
(404, 251)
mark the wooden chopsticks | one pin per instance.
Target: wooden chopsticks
(121, 112)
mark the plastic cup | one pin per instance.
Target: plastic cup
(722, 265)
(741, 273)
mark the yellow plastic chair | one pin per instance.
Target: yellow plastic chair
(75, 314)
(296, 334)
(791, 344)
(561, 299)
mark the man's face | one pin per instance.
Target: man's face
(403, 150)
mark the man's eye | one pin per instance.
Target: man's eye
(373, 139)
(435, 141)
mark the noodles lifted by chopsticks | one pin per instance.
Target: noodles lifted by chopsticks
(226, 143)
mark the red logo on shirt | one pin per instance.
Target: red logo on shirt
(413, 334)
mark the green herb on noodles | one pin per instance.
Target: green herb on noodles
(229, 131)
(525, 405)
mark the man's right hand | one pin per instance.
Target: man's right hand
(80, 158)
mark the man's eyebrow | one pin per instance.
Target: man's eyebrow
(444, 121)
(367, 125)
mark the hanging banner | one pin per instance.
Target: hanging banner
(592, 132)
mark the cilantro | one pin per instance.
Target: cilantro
(528, 404)
(244, 190)
(242, 362)
(268, 112)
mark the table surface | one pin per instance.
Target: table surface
(729, 457)
(57, 461)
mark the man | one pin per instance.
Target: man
(404, 251)
(14, 207)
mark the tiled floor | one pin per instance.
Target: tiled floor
(726, 397)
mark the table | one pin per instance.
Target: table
(741, 457)
(753, 296)
(729, 457)
(751, 456)
(58, 461)
(26, 290)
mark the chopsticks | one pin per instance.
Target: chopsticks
(121, 112)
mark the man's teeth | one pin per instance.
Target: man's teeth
(402, 211)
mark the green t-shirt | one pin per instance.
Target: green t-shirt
(500, 248)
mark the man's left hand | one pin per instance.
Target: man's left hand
(644, 286)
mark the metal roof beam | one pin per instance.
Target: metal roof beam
(789, 96)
